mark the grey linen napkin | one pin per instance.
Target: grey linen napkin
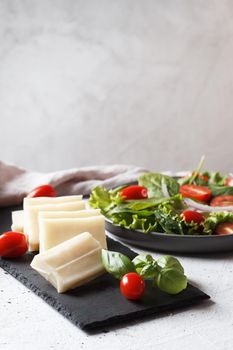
(16, 182)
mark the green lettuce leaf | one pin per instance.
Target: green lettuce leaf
(104, 199)
(149, 215)
(214, 219)
(135, 222)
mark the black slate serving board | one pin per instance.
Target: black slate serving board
(98, 304)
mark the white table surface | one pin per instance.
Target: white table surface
(27, 322)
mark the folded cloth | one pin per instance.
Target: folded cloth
(16, 183)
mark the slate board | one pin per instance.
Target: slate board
(98, 304)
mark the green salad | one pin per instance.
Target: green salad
(200, 203)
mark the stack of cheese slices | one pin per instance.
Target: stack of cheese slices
(68, 236)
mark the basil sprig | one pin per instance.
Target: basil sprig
(116, 263)
(167, 273)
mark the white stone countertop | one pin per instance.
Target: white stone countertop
(27, 322)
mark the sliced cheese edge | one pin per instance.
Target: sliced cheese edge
(31, 218)
(71, 263)
(55, 231)
(51, 200)
(17, 220)
(68, 214)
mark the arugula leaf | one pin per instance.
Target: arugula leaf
(198, 180)
(215, 178)
(172, 223)
(197, 171)
(218, 190)
(136, 206)
(214, 219)
(154, 183)
(116, 264)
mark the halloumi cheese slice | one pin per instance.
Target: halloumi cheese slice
(31, 222)
(17, 220)
(18, 215)
(71, 263)
(55, 231)
(68, 214)
(51, 200)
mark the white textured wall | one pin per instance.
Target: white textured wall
(131, 81)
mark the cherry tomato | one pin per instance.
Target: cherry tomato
(224, 228)
(191, 215)
(200, 193)
(134, 192)
(13, 244)
(229, 181)
(42, 191)
(222, 201)
(132, 286)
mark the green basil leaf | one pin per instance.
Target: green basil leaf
(116, 263)
(142, 259)
(145, 266)
(148, 272)
(171, 281)
(170, 262)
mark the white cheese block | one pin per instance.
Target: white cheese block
(71, 263)
(51, 200)
(31, 222)
(18, 215)
(68, 214)
(17, 220)
(55, 231)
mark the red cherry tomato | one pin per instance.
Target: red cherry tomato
(42, 191)
(132, 286)
(224, 228)
(200, 193)
(222, 201)
(191, 215)
(229, 181)
(134, 192)
(13, 244)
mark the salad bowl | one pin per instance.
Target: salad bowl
(171, 232)
(172, 243)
